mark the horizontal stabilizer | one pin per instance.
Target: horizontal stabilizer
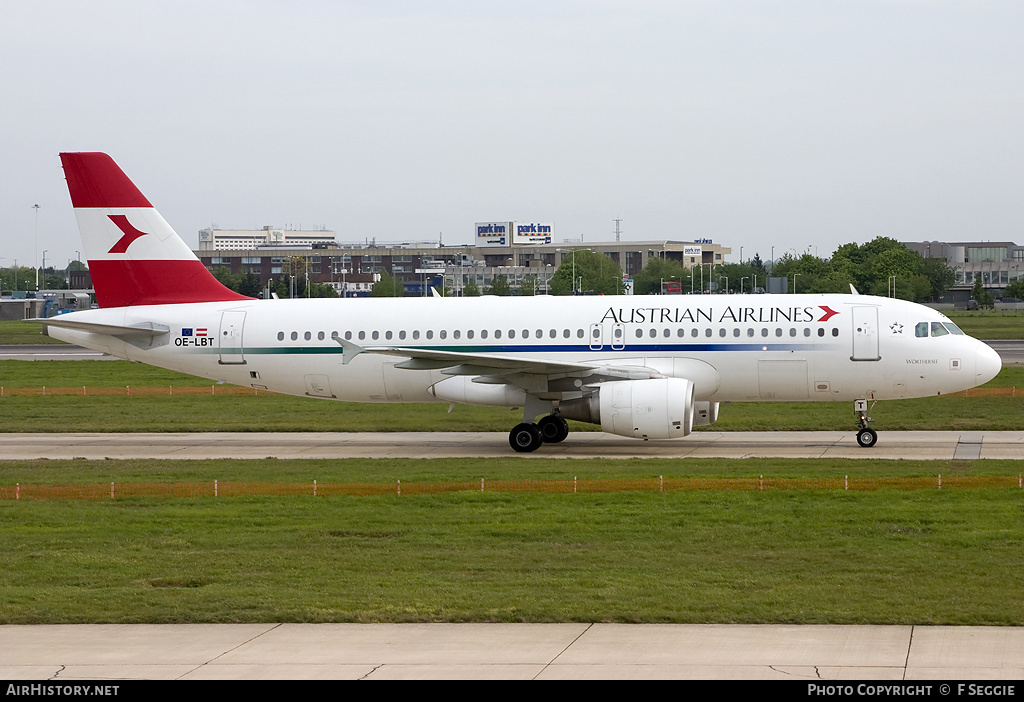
(143, 330)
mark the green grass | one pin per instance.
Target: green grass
(823, 556)
(19, 333)
(990, 324)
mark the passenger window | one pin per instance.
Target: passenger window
(807, 331)
(938, 329)
(821, 331)
(320, 336)
(579, 333)
(921, 329)
(750, 331)
(693, 333)
(362, 335)
(375, 335)
(430, 333)
(778, 331)
(443, 334)
(387, 335)
(280, 336)
(401, 335)
(736, 332)
(416, 334)
(348, 336)
(456, 334)
(835, 331)
(792, 331)
(307, 336)
(707, 332)
(721, 332)
(497, 333)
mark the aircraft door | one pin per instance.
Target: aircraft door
(230, 337)
(865, 333)
(611, 334)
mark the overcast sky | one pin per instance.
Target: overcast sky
(798, 125)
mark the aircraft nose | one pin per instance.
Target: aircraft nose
(987, 363)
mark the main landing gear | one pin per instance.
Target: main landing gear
(527, 437)
(865, 437)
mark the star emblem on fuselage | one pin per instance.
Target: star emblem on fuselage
(896, 327)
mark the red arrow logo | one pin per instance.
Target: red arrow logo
(130, 233)
(829, 313)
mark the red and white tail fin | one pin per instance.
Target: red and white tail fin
(134, 255)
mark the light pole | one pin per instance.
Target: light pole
(741, 283)
(35, 261)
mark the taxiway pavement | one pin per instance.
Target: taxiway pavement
(705, 444)
(805, 654)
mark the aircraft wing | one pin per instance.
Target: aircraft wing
(498, 368)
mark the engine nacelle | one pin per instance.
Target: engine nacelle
(463, 390)
(705, 413)
(658, 408)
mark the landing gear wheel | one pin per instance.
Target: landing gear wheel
(867, 437)
(553, 429)
(525, 438)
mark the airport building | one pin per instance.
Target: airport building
(268, 237)
(521, 251)
(996, 263)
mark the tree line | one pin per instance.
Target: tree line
(882, 267)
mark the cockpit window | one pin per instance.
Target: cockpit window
(938, 329)
(953, 328)
(921, 330)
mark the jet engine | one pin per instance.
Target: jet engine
(705, 413)
(657, 408)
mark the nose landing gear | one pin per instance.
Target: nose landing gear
(865, 437)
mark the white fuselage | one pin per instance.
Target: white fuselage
(735, 348)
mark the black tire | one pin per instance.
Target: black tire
(525, 438)
(867, 437)
(553, 429)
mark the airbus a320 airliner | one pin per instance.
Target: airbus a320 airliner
(649, 367)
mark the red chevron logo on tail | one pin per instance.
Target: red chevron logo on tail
(130, 233)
